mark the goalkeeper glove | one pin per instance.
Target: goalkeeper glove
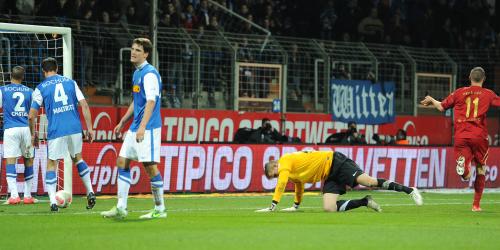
(293, 208)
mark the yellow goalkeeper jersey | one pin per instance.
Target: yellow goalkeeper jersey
(300, 168)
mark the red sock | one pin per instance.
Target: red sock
(478, 189)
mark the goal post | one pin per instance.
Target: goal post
(40, 34)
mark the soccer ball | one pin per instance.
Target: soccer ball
(63, 199)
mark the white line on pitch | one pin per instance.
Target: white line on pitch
(38, 213)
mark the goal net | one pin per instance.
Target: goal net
(27, 46)
(436, 85)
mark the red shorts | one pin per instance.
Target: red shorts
(471, 149)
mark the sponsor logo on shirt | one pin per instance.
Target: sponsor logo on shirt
(136, 89)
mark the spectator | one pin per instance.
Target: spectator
(165, 21)
(328, 18)
(190, 20)
(371, 28)
(203, 15)
(25, 7)
(175, 18)
(131, 15)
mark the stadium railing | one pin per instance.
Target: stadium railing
(203, 69)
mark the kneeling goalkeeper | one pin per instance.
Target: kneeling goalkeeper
(336, 170)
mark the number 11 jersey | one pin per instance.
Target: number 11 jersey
(470, 107)
(60, 96)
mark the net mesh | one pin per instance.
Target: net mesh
(28, 50)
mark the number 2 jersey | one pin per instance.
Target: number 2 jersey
(470, 107)
(60, 96)
(16, 101)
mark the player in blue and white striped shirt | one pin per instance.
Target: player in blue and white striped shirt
(15, 99)
(142, 140)
(60, 97)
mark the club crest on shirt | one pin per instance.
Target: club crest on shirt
(136, 89)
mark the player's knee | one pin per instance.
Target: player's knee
(120, 162)
(480, 170)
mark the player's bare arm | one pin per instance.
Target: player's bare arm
(88, 119)
(125, 118)
(31, 118)
(428, 100)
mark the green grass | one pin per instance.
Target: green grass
(444, 222)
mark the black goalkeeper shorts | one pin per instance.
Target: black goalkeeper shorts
(343, 172)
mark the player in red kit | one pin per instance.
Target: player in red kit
(470, 105)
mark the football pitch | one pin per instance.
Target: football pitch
(229, 222)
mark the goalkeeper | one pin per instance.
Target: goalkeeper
(336, 171)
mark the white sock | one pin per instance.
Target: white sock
(12, 180)
(12, 183)
(51, 189)
(158, 199)
(50, 183)
(27, 188)
(87, 183)
(28, 181)
(123, 188)
(84, 173)
(157, 190)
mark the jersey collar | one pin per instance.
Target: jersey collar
(142, 65)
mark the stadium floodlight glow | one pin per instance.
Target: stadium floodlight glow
(27, 45)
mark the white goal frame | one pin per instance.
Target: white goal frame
(67, 71)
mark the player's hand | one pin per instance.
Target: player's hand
(90, 135)
(118, 128)
(426, 101)
(290, 209)
(264, 210)
(34, 141)
(139, 136)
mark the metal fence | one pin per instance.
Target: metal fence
(199, 68)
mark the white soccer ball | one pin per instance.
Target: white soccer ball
(63, 198)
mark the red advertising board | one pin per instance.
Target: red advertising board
(210, 168)
(189, 125)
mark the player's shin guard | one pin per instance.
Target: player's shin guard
(344, 205)
(123, 187)
(84, 172)
(28, 181)
(12, 179)
(50, 183)
(390, 185)
(157, 190)
(478, 189)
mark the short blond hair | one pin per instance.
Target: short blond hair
(477, 74)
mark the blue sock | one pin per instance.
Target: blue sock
(28, 173)
(50, 177)
(157, 181)
(11, 170)
(82, 167)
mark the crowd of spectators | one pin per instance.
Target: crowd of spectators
(421, 23)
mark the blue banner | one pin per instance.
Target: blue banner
(362, 101)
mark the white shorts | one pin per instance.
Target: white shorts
(146, 151)
(17, 143)
(58, 147)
